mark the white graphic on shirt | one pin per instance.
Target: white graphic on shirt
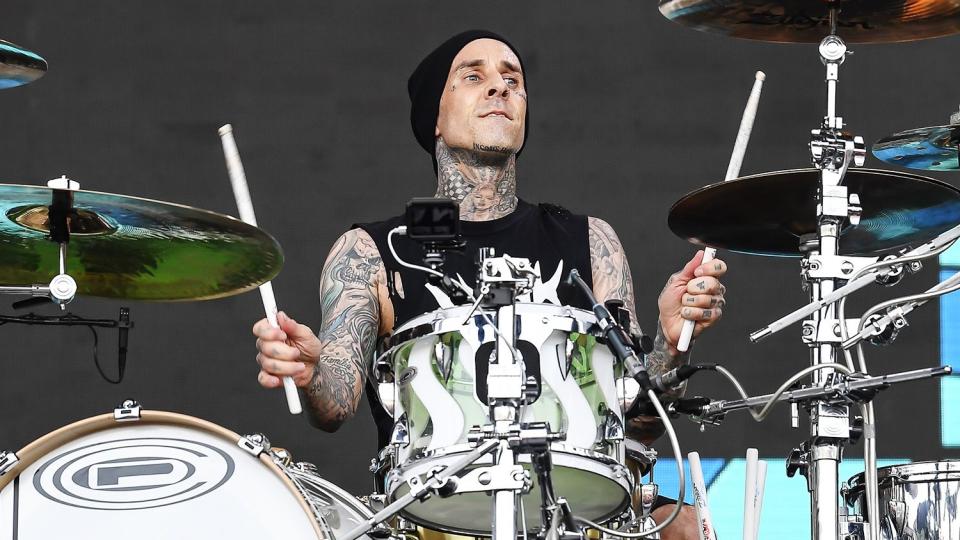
(542, 291)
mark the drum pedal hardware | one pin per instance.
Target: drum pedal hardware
(7, 460)
(128, 411)
(254, 444)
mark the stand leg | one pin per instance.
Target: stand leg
(504, 501)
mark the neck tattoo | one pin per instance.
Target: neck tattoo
(485, 186)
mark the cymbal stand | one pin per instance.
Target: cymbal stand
(833, 151)
(62, 288)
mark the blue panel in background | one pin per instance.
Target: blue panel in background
(951, 257)
(949, 325)
(950, 411)
(786, 505)
(666, 476)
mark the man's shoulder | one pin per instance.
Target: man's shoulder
(378, 229)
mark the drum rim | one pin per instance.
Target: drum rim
(907, 473)
(40, 447)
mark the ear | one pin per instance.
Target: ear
(436, 131)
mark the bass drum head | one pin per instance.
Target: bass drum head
(164, 476)
(595, 489)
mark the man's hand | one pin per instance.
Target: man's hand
(694, 293)
(289, 351)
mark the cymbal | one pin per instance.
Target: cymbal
(19, 66)
(133, 248)
(765, 214)
(927, 148)
(808, 21)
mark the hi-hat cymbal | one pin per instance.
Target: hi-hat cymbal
(19, 66)
(927, 148)
(808, 21)
(132, 248)
(766, 214)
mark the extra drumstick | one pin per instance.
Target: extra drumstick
(733, 171)
(238, 179)
(750, 496)
(758, 500)
(705, 530)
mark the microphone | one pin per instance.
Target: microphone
(123, 328)
(617, 340)
(694, 406)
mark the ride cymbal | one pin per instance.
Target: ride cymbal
(766, 214)
(927, 148)
(133, 248)
(19, 66)
(808, 21)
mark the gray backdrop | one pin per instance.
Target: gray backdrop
(629, 113)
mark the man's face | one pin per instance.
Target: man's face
(484, 104)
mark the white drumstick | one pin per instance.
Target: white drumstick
(733, 171)
(750, 496)
(758, 499)
(705, 530)
(238, 179)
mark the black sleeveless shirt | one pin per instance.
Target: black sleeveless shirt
(549, 236)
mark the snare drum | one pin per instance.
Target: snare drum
(161, 476)
(434, 361)
(918, 501)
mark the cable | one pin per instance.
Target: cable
(759, 417)
(678, 457)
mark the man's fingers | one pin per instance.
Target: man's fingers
(281, 368)
(295, 330)
(268, 381)
(701, 314)
(691, 266)
(715, 268)
(704, 300)
(263, 330)
(705, 285)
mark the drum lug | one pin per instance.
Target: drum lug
(254, 444)
(128, 411)
(612, 427)
(401, 432)
(7, 460)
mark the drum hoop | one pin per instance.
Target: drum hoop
(466, 447)
(35, 450)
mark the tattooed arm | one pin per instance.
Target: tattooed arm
(693, 293)
(330, 367)
(612, 280)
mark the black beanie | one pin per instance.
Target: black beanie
(425, 87)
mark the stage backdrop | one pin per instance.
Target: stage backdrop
(629, 112)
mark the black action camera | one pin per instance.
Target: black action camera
(433, 220)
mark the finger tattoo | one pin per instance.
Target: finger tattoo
(706, 314)
(702, 285)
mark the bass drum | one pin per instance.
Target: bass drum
(161, 476)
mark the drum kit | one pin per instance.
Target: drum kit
(509, 416)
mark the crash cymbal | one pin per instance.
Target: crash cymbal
(808, 21)
(19, 66)
(927, 148)
(766, 214)
(132, 248)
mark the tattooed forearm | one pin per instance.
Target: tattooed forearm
(483, 181)
(663, 359)
(611, 271)
(350, 314)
